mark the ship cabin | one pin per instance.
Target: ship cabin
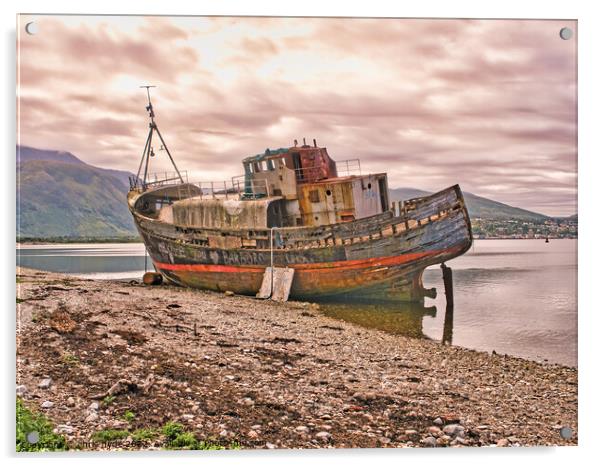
(298, 186)
(306, 188)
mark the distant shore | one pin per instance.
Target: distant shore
(78, 240)
(107, 356)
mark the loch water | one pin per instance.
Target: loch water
(516, 297)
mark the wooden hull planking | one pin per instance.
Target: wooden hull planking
(382, 257)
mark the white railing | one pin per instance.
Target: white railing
(349, 167)
(235, 188)
(156, 180)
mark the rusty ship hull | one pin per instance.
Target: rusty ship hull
(379, 257)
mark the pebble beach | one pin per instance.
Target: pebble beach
(265, 375)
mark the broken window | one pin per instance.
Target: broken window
(314, 195)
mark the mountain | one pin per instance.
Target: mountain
(27, 154)
(60, 195)
(478, 207)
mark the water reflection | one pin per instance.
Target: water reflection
(448, 326)
(399, 318)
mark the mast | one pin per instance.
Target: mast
(148, 147)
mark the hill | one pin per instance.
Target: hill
(60, 195)
(478, 207)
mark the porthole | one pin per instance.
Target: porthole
(328, 192)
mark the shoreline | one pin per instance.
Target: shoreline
(265, 374)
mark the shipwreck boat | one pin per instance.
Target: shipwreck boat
(332, 230)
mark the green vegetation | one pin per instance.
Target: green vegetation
(172, 429)
(107, 400)
(109, 435)
(178, 439)
(184, 441)
(70, 359)
(142, 435)
(28, 423)
(129, 416)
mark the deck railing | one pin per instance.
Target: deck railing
(344, 168)
(349, 167)
(226, 189)
(155, 180)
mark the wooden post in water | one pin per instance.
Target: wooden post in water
(448, 324)
(448, 282)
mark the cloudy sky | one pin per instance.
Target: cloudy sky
(490, 105)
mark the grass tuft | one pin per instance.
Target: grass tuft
(28, 422)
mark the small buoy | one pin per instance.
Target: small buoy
(152, 278)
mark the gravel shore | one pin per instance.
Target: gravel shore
(265, 374)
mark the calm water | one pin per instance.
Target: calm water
(516, 297)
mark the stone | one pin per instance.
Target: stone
(47, 404)
(438, 421)
(188, 417)
(252, 434)
(93, 416)
(434, 431)
(410, 432)
(256, 427)
(454, 429)
(302, 429)
(70, 402)
(45, 384)
(94, 406)
(323, 435)
(429, 442)
(270, 446)
(248, 401)
(64, 429)
(21, 390)
(224, 433)
(503, 442)
(229, 293)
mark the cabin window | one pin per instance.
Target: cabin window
(328, 192)
(270, 165)
(369, 185)
(314, 196)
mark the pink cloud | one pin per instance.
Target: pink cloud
(433, 102)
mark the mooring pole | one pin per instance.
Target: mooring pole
(448, 283)
(448, 324)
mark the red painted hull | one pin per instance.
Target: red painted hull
(373, 275)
